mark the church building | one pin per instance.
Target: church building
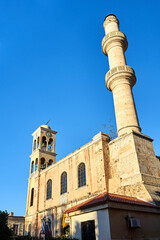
(107, 189)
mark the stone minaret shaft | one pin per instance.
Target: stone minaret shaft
(121, 78)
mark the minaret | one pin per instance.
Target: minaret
(120, 78)
(134, 168)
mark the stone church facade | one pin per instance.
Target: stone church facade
(126, 165)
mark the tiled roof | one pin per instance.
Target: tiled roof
(109, 197)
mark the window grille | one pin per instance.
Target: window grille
(63, 182)
(49, 189)
(81, 175)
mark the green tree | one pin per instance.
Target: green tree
(5, 232)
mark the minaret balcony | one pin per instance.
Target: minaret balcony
(114, 39)
(118, 75)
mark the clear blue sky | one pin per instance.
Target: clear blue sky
(52, 67)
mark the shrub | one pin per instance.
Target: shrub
(61, 238)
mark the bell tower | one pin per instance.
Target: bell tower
(43, 149)
(42, 157)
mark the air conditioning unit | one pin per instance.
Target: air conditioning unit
(134, 223)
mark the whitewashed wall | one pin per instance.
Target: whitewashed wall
(102, 227)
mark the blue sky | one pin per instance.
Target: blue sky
(52, 67)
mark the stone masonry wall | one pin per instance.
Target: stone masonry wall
(134, 167)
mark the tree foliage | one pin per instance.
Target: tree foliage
(5, 232)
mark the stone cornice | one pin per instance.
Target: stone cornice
(42, 151)
(49, 153)
(45, 129)
(138, 134)
(143, 136)
(48, 130)
(102, 136)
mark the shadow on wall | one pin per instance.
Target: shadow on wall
(103, 225)
(77, 231)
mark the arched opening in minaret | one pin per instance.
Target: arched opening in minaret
(32, 167)
(50, 145)
(50, 162)
(44, 143)
(43, 163)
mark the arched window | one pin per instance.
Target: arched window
(44, 143)
(81, 175)
(32, 167)
(63, 182)
(32, 197)
(50, 162)
(43, 163)
(36, 164)
(49, 189)
(50, 145)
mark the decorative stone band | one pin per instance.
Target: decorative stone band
(113, 39)
(118, 75)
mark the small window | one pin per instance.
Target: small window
(34, 146)
(63, 182)
(49, 189)
(44, 143)
(81, 175)
(50, 162)
(36, 164)
(50, 145)
(43, 163)
(32, 197)
(38, 142)
(32, 167)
